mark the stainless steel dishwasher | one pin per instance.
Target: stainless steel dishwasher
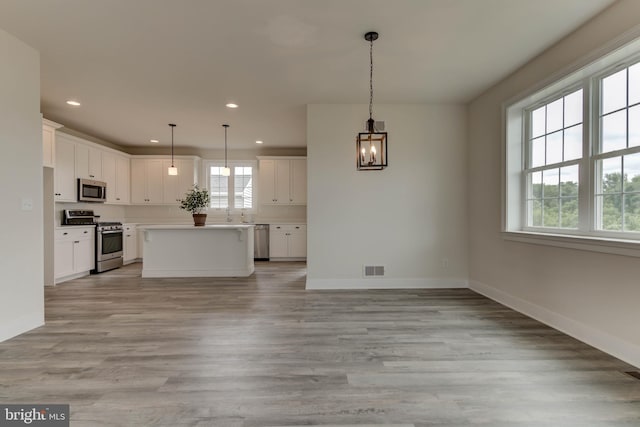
(261, 242)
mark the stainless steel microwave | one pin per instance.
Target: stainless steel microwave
(90, 190)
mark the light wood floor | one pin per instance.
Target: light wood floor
(262, 351)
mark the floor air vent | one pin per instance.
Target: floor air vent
(634, 374)
(373, 270)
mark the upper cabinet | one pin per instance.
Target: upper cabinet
(88, 162)
(283, 180)
(64, 180)
(49, 142)
(152, 185)
(115, 172)
(78, 158)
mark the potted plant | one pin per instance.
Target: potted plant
(196, 201)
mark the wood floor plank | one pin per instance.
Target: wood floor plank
(264, 352)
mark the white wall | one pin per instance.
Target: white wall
(409, 217)
(591, 296)
(21, 246)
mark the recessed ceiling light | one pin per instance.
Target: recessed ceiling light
(155, 141)
(258, 142)
(232, 105)
(73, 103)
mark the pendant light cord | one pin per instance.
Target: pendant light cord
(225, 144)
(172, 126)
(371, 79)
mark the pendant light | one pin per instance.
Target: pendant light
(226, 171)
(371, 146)
(172, 169)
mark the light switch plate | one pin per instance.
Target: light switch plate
(27, 204)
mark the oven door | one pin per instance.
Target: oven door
(109, 245)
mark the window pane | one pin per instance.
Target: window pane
(573, 108)
(537, 122)
(634, 84)
(243, 187)
(554, 148)
(535, 213)
(614, 131)
(632, 212)
(611, 212)
(569, 212)
(551, 179)
(551, 212)
(573, 143)
(554, 116)
(569, 181)
(218, 186)
(614, 92)
(610, 174)
(634, 126)
(536, 185)
(632, 173)
(537, 152)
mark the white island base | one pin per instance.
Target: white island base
(189, 251)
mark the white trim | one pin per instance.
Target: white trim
(380, 283)
(20, 325)
(612, 345)
(63, 279)
(591, 244)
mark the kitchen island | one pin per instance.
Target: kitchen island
(224, 250)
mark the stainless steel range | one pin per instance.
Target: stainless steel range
(109, 241)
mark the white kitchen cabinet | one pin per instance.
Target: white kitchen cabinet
(176, 185)
(74, 252)
(49, 142)
(283, 181)
(88, 162)
(65, 182)
(287, 241)
(147, 181)
(130, 243)
(115, 172)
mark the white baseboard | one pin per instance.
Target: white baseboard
(380, 283)
(20, 325)
(621, 349)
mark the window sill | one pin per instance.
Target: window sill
(584, 243)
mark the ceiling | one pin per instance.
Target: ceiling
(137, 65)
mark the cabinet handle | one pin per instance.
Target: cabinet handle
(117, 198)
(291, 200)
(64, 234)
(76, 241)
(85, 232)
(91, 176)
(297, 228)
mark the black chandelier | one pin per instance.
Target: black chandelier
(371, 146)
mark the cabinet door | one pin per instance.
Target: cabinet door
(109, 176)
(83, 255)
(282, 182)
(154, 180)
(298, 184)
(130, 238)
(298, 242)
(267, 173)
(64, 172)
(63, 258)
(171, 188)
(138, 181)
(278, 246)
(122, 180)
(88, 162)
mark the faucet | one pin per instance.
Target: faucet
(229, 219)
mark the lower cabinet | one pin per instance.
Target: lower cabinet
(130, 243)
(287, 242)
(74, 252)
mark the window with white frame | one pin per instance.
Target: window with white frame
(234, 192)
(573, 154)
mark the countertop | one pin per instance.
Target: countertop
(193, 227)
